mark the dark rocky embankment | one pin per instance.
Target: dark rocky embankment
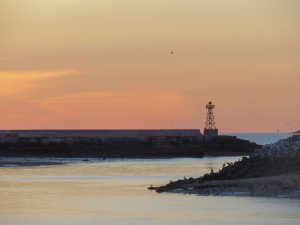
(45, 146)
(99, 149)
(272, 170)
(228, 145)
(100, 143)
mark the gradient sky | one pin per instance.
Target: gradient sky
(107, 64)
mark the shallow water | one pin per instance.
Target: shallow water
(115, 192)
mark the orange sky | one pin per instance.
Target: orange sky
(99, 64)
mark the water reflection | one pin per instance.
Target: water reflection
(114, 192)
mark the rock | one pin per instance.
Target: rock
(273, 160)
(228, 145)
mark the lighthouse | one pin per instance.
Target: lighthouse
(210, 129)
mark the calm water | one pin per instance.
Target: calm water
(114, 192)
(261, 138)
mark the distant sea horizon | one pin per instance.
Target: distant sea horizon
(261, 138)
(257, 137)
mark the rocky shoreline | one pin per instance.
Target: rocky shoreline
(274, 186)
(273, 170)
(224, 145)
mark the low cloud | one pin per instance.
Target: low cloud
(19, 83)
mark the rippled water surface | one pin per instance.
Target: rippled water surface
(115, 192)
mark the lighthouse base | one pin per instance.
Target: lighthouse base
(209, 133)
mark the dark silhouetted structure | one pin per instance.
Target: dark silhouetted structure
(210, 129)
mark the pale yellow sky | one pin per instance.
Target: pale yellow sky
(107, 64)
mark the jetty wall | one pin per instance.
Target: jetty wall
(101, 143)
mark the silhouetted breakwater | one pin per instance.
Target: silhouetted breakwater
(119, 143)
(101, 143)
(228, 145)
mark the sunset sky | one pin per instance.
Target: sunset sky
(107, 64)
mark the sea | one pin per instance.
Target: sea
(114, 192)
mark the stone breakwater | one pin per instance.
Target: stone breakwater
(272, 170)
(101, 143)
(228, 145)
(119, 143)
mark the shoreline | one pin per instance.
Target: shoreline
(287, 185)
(273, 170)
(9, 162)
